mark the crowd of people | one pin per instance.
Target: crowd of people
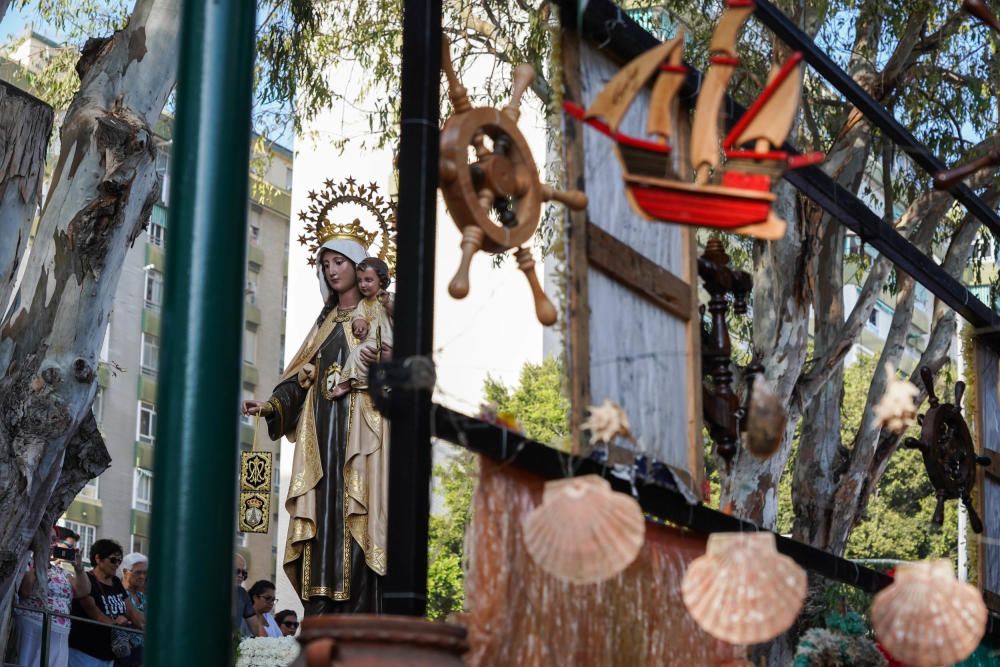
(116, 604)
(253, 609)
(113, 594)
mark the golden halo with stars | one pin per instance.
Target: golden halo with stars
(379, 232)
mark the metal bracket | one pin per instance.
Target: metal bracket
(410, 374)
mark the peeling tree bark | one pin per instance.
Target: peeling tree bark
(25, 127)
(102, 192)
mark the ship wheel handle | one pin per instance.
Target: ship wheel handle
(490, 183)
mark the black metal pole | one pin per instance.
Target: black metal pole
(405, 590)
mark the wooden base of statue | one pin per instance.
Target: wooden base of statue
(369, 640)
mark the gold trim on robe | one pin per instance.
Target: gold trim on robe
(365, 470)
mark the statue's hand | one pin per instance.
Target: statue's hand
(253, 408)
(306, 376)
(368, 354)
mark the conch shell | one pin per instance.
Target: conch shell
(926, 617)
(897, 409)
(606, 422)
(583, 531)
(742, 590)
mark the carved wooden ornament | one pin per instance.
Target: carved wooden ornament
(496, 198)
(732, 194)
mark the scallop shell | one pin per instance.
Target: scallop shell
(583, 532)
(926, 617)
(742, 590)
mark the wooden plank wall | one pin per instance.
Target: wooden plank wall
(988, 438)
(640, 354)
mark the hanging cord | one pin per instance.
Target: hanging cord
(256, 424)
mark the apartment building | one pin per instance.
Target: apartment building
(117, 504)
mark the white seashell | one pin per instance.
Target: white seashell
(897, 408)
(926, 617)
(606, 422)
(742, 590)
(583, 531)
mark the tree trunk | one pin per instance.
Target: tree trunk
(25, 126)
(102, 192)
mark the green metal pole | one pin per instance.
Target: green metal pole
(195, 459)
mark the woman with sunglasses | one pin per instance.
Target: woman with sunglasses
(95, 646)
(288, 621)
(262, 595)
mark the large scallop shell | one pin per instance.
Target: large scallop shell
(583, 532)
(742, 590)
(926, 617)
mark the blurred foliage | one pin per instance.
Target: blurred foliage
(537, 402)
(454, 481)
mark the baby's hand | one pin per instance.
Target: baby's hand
(360, 328)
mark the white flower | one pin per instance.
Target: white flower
(267, 652)
(897, 409)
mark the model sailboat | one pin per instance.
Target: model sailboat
(734, 194)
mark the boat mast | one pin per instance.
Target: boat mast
(780, 100)
(616, 97)
(668, 82)
(705, 127)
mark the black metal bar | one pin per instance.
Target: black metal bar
(608, 26)
(785, 30)
(405, 590)
(656, 498)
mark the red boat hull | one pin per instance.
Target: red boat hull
(703, 208)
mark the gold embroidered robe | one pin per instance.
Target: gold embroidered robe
(337, 497)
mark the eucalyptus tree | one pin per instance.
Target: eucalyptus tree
(101, 191)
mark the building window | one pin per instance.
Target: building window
(142, 490)
(281, 355)
(149, 362)
(146, 431)
(873, 319)
(90, 489)
(140, 544)
(156, 233)
(248, 392)
(250, 343)
(253, 277)
(87, 533)
(106, 345)
(288, 178)
(154, 289)
(284, 295)
(98, 405)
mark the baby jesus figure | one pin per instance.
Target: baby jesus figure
(376, 308)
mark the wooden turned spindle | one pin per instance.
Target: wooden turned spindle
(982, 11)
(544, 310)
(945, 179)
(472, 241)
(457, 93)
(523, 76)
(573, 199)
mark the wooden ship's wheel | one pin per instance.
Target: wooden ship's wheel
(490, 183)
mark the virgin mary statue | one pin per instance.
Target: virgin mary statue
(335, 553)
